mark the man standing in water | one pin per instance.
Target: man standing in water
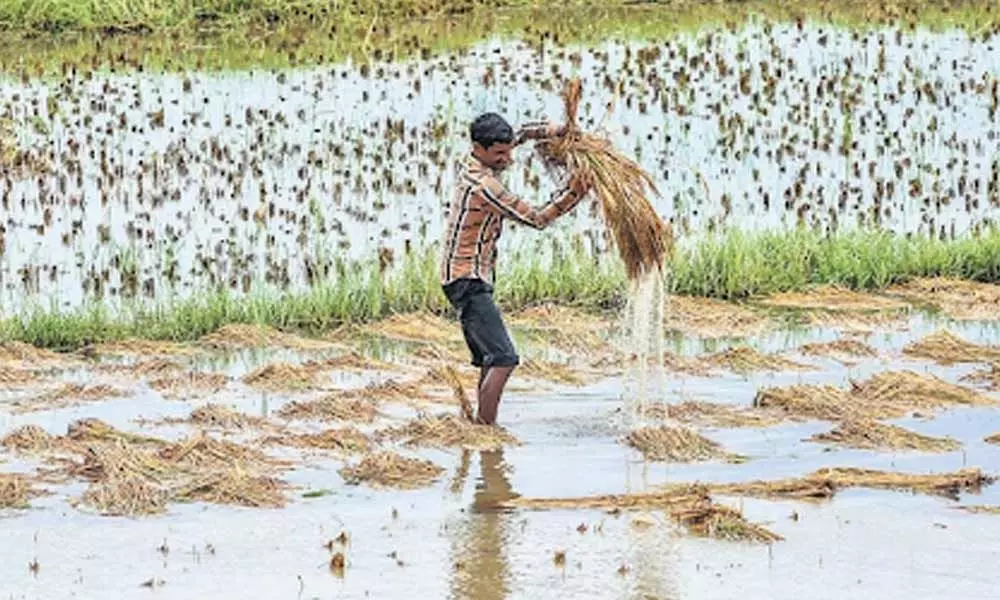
(478, 209)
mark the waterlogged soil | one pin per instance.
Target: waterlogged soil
(143, 183)
(440, 533)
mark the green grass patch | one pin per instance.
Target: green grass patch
(53, 35)
(730, 265)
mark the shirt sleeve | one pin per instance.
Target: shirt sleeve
(503, 202)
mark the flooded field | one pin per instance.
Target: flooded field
(163, 185)
(168, 431)
(854, 456)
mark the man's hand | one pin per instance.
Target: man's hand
(579, 185)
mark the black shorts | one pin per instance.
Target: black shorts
(483, 327)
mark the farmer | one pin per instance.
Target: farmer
(478, 209)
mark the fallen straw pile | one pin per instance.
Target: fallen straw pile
(872, 435)
(885, 395)
(744, 359)
(642, 238)
(331, 407)
(16, 490)
(695, 412)
(839, 349)
(677, 444)
(346, 440)
(947, 348)
(390, 470)
(450, 431)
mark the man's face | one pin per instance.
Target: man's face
(497, 156)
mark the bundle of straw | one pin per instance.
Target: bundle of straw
(642, 238)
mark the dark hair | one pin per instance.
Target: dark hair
(490, 128)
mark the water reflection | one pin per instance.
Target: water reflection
(481, 567)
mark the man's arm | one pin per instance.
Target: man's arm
(500, 200)
(536, 130)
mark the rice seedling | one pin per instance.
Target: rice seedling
(946, 348)
(872, 435)
(677, 444)
(386, 469)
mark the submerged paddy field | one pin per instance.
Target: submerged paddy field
(226, 363)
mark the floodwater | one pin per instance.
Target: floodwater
(445, 541)
(161, 184)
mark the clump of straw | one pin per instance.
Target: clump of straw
(332, 407)
(947, 348)
(676, 444)
(15, 491)
(451, 431)
(28, 438)
(872, 435)
(711, 414)
(390, 470)
(346, 440)
(620, 184)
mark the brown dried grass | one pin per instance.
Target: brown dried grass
(416, 327)
(824, 483)
(332, 407)
(550, 372)
(190, 384)
(957, 298)
(993, 439)
(29, 438)
(139, 347)
(855, 323)
(15, 354)
(872, 435)
(885, 395)
(234, 486)
(990, 377)
(947, 349)
(688, 505)
(386, 469)
(744, 359)
(16, 377)
(389, 390)
(216, 416)
(90, 429)
(126, 496)
(238, 336)
(450, 431)
(620, 184)
(347, 440)
(949, 485)
(16, 490)
(711, 414)
(201, 451)
(710, 520)
(713, 318)
(677, 444)
(839, 349)
(980, 509)
(566, 328)
(833, 298)
(350, 361)
(281, 376)
(66, 395)
(690, 365)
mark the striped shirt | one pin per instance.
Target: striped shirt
(476, 215)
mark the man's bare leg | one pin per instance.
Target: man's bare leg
(489, 394)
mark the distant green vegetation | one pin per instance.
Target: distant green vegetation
(228, 34)
(733, 265)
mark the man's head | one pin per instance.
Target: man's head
(492, 140)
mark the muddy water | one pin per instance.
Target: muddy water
(172, 182)
(445, 542)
